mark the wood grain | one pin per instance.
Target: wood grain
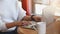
(26, 31)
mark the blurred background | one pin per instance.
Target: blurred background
(37, 6)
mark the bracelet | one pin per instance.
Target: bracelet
(32, 17)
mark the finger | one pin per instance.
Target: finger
(25, 23)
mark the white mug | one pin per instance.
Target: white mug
(41, 26)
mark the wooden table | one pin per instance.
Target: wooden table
(26, 31)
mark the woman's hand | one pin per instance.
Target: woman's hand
(22, 23)
(37, 18)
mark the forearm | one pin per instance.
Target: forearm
(27, 18)
(32, 18)
(10, 25)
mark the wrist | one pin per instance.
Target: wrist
(32, 17)
(17, 23)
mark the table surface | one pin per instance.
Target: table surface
(27, 31)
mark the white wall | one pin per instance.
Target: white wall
(39, 7)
